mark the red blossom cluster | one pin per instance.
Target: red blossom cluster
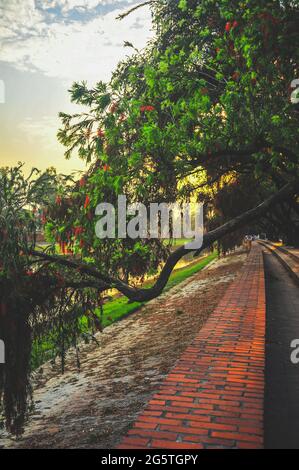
(100, 133)
(82, 182)
(230, 26)
(67, 247)
(87, 201)
(113, 107)
(78, 231)
(236, 76)
(147, 108)
(204, 91)
(63, 247)
(122, 117)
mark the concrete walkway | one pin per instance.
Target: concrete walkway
(282, 376)
(213, 397)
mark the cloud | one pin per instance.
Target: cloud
(45, 45)
(44, 131)
(68, 5)
(57, 38)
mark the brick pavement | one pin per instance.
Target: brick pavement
(214, 395)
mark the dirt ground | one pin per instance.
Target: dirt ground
(95, 407)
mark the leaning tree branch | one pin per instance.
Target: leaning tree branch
(106, 281)
(123, 15)
(141, 295)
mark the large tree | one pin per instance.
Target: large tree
(203, 113)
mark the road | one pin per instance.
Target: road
(282, 376)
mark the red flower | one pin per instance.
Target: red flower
(235, 24)
(82, 182)
(100, 133)
(146, 108)
(113, 107)
(204, 91)
(87, 201)
(58, 200)
(62, 247)
(228, 27)
(78, 230)
(235, 76)
(106, 167)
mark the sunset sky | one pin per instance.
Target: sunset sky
(45, 45)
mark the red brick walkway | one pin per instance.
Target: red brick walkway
(214, 395)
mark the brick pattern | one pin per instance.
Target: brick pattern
(213, 397)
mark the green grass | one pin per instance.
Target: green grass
(118, 308)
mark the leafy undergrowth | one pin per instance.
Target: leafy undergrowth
(114, 310)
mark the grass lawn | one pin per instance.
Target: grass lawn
(118, 308)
